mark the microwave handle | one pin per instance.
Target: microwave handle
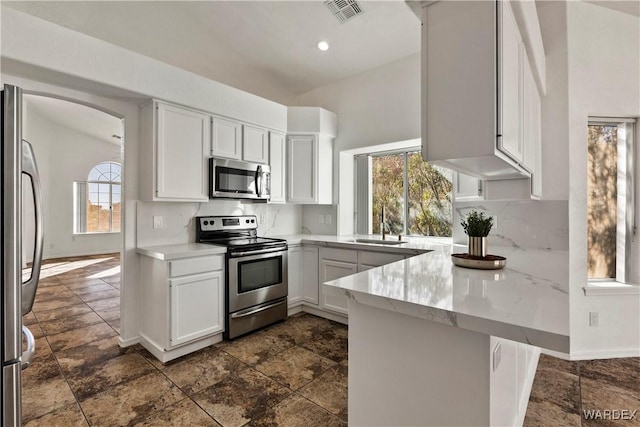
(259, 181)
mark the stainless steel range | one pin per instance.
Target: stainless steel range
(256, 272)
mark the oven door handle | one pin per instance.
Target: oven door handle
(251, 311)
(263, 251)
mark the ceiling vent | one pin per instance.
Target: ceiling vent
(344, 10)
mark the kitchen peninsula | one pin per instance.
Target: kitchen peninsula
(435, 344)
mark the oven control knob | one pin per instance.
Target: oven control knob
(252, 221)
(206, 223)
(247, 221)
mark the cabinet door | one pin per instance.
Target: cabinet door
(510, 87)
(309, 275)
(226, 140)
(466, 187)
(302, 169)
(255, 145)
(277, 163)
(331, 270)
(294, 268)
(196, 306)
(181, 145)
(371, 259)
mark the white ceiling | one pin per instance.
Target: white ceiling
(78, 117)
(264, 47)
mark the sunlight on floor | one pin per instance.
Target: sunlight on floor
(55, 268)
(106, 273)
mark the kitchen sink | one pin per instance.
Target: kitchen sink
(380, 242)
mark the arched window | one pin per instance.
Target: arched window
(98, 200)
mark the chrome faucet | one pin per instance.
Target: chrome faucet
(383, 231)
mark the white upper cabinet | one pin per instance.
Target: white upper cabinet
(277, 164)
(255, 144)
(309, 174)
(510, 86)
(175, 145)
(309, 169)
(226, 138)
(473, 89)
(532, 130)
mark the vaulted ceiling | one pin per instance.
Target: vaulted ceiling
(264, 47)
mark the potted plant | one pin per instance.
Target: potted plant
(477, 226)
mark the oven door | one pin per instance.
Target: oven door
(256, 278)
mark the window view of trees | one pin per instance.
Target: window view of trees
(427, 210)
(602, 207)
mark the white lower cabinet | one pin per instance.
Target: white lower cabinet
(334, 264)
(183, 304)
(294, 260)
(311, 266)
(370, 259)
(192, 314)
(309, 275)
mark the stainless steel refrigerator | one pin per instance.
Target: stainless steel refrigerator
(20, 183)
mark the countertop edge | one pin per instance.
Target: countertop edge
(180, 251)
(544, 339)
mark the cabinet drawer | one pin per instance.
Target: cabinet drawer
(378, 258)
(343, 255)
(195, 265)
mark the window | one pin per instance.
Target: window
(610, 200)
(97, 201)
(416, 195)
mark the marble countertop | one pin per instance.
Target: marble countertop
(183, 250)
(410, 245)
(528, 301)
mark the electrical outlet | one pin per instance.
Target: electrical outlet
(497, 356)
(320, 219)
(495, 221)
(327, 219)
(593, 318)
(261, 219)
(157, 222)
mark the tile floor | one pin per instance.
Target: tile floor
(291, 374)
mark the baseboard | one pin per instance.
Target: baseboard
(129, 341)
(605, 354)
(531, 374)
(294, 310)
(83, 253)
(167, 355)
(327, 315)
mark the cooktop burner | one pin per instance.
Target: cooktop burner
(233, 232)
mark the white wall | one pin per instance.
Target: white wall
(65, 155)
(376, 107)
(604, 80)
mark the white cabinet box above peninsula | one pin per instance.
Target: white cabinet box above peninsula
(174, 146)
(311, 131)
(477, 92)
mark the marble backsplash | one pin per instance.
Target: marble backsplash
(179, 226)
(542, 224)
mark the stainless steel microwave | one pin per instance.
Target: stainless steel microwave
(235, 179)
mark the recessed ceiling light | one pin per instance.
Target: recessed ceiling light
(323, 45)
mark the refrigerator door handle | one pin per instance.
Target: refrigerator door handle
(30, 168)
(31, 348)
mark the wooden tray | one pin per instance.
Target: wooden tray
(489, 262)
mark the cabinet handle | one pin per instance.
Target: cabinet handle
(249, 312)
